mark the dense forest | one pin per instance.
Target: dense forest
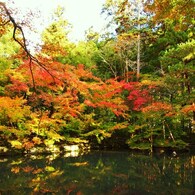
(128, 88)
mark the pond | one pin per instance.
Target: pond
(98, 173)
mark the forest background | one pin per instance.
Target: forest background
(133, 88)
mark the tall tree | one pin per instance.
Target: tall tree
(129, 17)
(55, 37)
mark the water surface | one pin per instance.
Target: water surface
(98, 173)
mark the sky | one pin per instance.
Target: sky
(82, 14)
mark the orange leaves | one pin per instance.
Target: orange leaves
(13, 110)
(167, 109)
(84, 74)
(157, 107)
(27, 169)
(28, 145)
(7, 102)
(120, 126)
(188, 109)
(68, 103)
(89, 103)
(107, 95)
(15, 170)
(46, 76)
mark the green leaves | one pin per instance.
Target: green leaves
(183, 53)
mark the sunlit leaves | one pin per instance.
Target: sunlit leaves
(179, 12)
(16, 144)
(84, 53)
(13, 111)
(8, 47)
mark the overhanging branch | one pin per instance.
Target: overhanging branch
(22, 43)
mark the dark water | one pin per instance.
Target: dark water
(98, 173)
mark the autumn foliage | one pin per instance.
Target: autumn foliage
(55, 95)
(88, 92)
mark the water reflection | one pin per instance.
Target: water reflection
(98, 173)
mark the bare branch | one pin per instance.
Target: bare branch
(23, 44)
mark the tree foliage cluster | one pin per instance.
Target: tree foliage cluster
(135, 88)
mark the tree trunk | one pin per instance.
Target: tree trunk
(138, 42)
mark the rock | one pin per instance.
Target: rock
(71, 147)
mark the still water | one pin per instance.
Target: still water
(98, 173)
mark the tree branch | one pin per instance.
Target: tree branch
(23, 44)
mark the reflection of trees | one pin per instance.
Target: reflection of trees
(100, 173)
(167, 173)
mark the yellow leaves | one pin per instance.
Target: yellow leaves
(76, 140)
(52, 135)
(3, 149)
(3, 128)
(36, 140)
(13, 110)
(78, 164)
(16, 162)
(36, 180)
(151, 83)
(49, 169)
(25, 143)
(49, 142)
(190, 56)
(16, 144)
(56, 173)
(7, 102)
